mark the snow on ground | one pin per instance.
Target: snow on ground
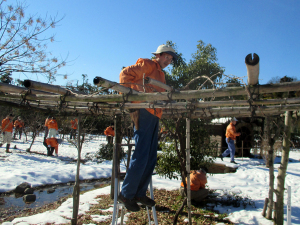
(250, 180)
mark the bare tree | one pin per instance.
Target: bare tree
(279, 218)
(273, 127)
(22, 49)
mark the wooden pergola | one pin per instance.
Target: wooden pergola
(186, 104)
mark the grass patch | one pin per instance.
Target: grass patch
(167, 203)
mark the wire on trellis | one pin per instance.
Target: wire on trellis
(24, 100)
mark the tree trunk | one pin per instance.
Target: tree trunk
(182, 158)
(34, 133)
(271, 168)
(282, 170)
(76, 191)
(179, 211)
(188, 130)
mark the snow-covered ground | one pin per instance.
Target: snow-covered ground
(250, 180)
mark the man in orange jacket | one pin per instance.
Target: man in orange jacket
(18, 124)
(146, 124)
(197, 184)
(74, 124)
(7, 128)
(231, 135)
(110, 133)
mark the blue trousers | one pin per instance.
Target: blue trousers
(230, 150)
(143, 159)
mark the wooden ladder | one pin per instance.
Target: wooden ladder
(116, 188)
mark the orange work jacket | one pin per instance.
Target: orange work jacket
(7, 125)
(109, 131)
(52, 124)
(74, 124)
(52, 142)
(18, 124)
(231, 132)
(197, 180)
(133, 76)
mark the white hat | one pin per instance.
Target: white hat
(167, 49)
(234, 119)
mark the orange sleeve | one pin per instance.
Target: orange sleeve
(3, 124)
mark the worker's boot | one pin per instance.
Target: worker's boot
(7, 148)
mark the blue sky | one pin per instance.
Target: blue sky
(100, 37)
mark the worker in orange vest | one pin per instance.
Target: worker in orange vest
(53, 128)
(51, 145)
(197, 184)
(74, 125)
(231, 135)
(146, 124)
(110, 133)
(7, 129)
(18, 125)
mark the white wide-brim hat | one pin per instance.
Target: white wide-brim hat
(166, 49)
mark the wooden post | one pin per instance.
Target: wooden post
(275, 213)
(188, 169)
(116, 160)
(242, 150)
(76, 190)
(289, 208)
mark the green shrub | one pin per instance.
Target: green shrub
(106, 152)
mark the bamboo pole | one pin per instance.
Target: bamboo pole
(8, 88)
(101, 82)
(46, 87)
(157, 83)
(252, 65)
